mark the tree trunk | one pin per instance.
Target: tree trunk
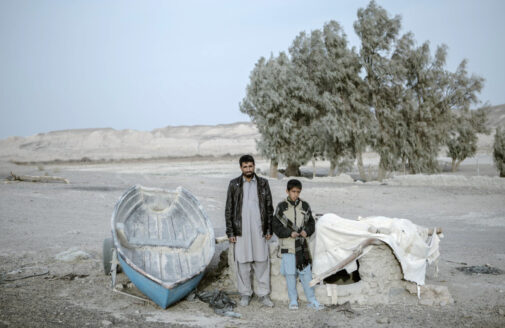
(333, 166)
(453, 165)
(361, 168)
(381, 174)
(273, 168)
(313, 167)
(457, 164)
(412, 169)
(381, 171)
(293, 170)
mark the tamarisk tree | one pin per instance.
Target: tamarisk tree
(431, 96)
(326, 101)
(308, 56)
(412, 93)
(276, 101)
(378, 32)
(348, 122)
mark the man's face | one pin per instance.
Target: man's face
(247, 169)
(294, 193)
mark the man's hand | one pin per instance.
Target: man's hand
(303, 234)
(232, 239)
(267, 237)
(294, 234)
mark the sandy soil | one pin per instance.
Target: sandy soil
(40, 220)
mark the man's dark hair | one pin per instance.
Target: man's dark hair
(293, 183)
(246, 159)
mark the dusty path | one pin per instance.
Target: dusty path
(39, 221)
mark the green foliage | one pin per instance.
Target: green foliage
(378, 32)
(348, 123)
(499, 151)
(412, 93)
(308, 58)
(325, 100)
(431, 95)
(462, 142)
(277, 100)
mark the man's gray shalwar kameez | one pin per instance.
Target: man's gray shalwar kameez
(251, 249)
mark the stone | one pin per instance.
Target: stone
(432, 294)
(72, 255)
(106, 323)
(383, 320)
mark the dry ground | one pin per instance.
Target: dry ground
(40, 220)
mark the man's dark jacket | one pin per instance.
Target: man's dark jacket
(233, 210)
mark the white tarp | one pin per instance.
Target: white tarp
(336, 238)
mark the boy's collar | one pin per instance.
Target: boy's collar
(294, 203)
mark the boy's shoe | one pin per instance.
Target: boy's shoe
(244, 300)
(293, 306)
(266, 301)
(315, 305)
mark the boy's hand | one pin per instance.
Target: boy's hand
(232, 239)
(303, 234)
(294, 234)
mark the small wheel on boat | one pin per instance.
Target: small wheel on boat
(107, 249)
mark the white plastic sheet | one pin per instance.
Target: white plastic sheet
(336, 238)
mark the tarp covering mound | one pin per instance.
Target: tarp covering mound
(336, 239)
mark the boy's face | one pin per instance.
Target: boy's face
(294, 193)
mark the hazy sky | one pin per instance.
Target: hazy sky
(148, 64)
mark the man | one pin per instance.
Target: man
(248, 214)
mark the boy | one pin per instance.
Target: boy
(293, 223)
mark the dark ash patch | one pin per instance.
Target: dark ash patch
(480, 269)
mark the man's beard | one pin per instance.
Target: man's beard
(249, 174)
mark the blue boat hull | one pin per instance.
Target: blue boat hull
(160, 295)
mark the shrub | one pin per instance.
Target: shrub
(499, 151)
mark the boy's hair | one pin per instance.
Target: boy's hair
(293, 183)
(246, 159)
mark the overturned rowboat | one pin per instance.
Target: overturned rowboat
(164, 241)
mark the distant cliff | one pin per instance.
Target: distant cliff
(176, 141)
(110, 144)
